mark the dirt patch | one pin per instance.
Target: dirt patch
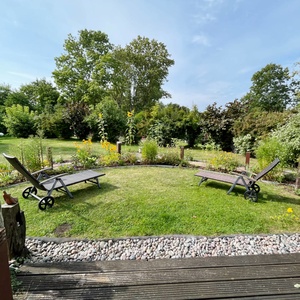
(62, 229)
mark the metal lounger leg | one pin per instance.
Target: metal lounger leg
(63, 188)
(94, 180)
(235, 183)
(202, 180)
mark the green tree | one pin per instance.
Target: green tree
(5, 91)
(192, 126)
(217, 123)
(75, 115)
(172, 121)
(214, 124)
(17, 97)
(19, 121)
(113, 116)
(259, 123)
(271, 89)
(42, 95)
(58, 124)
(139, 72)
(288, 135)
(142, 122)
(80, 71)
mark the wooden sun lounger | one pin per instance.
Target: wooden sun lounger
(50, 184)
(252, 188)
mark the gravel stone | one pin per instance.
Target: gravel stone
(50, 251)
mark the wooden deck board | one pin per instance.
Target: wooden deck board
(241, 277)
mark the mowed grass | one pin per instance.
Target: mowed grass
(62, 150)
(147, 201)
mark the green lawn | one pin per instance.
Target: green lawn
(136, 201)
(62, 150)
(143, 201)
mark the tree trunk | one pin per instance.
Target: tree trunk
(5, 282)
(15, 226)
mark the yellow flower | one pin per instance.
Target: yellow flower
(290, 210)
(129, 114)
(100, 115)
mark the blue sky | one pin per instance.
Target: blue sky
(217, 45)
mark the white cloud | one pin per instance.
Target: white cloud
(23, 75)
(201, 39)
(203, 18)
(246, 70)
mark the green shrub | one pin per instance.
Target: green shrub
(157, 133)
(19, 121)
(224, 161)
(107, 121)
(169, 157)
(149, 151)
(32, 153)
(61, 126)
(242, 144)
(210, 146)
(111, 158)
(288, 135)
(267, 151)
(7, 176)
(84, 157)
(129, 158)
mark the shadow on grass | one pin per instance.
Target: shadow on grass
(271, 197)
(92, 190)
(63, 202)
(263, 196)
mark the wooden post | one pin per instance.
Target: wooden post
(15, 227)
(248, 158)
(50, 157)
(181, 152)
(5, 282)
(1, 218)
(297, 184)
(119, 147)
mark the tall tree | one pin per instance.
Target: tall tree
(79, 71)
(75, 114)
(17, 97)
(140, 70)
(42, 95)
(270, 90)
(171, 121)
(217, 123)
(295, 83)
(213, 123)
(5, 90)
(192, 126)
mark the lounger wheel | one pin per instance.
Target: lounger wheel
(46, 201)
(256, 188)
(28, 191)
(251, 195)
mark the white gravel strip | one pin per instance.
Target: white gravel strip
(146, 248)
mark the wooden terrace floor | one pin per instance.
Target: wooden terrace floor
(240, 277)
